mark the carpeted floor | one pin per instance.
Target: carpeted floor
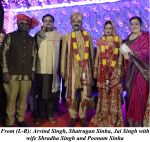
(62, 117)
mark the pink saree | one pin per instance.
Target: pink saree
(138, 91)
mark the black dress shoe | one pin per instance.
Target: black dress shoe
(63, 101)
(72, 122)
(37, 121)
(22, 124)
(84, 122)
(6, 125)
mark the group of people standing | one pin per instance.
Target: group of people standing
(42, 60)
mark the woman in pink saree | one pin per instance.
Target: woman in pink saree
(136, 68)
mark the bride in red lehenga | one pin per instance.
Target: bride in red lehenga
(107, 71)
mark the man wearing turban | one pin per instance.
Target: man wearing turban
(18, 66)
(76, 69)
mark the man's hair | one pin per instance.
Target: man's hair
(48, 15)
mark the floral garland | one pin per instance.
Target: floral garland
(83, 62)
(109, 56)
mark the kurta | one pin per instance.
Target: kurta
(47, 72)
(48, 53)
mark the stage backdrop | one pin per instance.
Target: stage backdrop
(94, 17)
(1, 15)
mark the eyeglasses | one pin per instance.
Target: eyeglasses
(46, 21)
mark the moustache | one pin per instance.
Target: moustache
(76, 25)
(48, 29)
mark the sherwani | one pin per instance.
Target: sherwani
(73, 77)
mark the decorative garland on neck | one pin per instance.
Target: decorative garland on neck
(81, 62)
(109, 56)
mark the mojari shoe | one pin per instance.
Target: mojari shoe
(22, 124)
(84, 122)
(72, 122)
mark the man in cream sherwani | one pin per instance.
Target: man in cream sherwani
(76, 69)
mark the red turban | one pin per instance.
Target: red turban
(32, 21)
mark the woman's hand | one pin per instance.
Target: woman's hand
(125, 51)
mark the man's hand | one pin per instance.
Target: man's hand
(32, 76)
(6, 77)
(95, 74)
